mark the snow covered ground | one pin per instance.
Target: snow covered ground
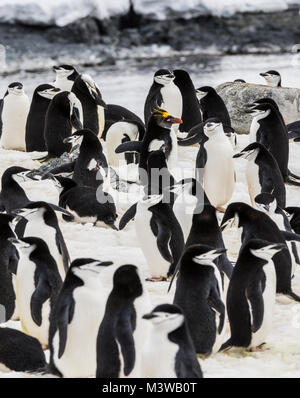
(282, 359)
(63, 12)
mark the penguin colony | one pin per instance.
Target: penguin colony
(95, 315)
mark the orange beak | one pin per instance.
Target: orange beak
(175, 120)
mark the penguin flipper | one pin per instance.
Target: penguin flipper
(124, 335)
(290, 236)
(129, 146)
(227, 345)
(127, 216)
(62, 323)
(65, 212)
(163, 235)
(40, 295)
(187, 365)
(218, 306)
(195, 135)
(13, 262)
(254, 295)
(61, 244)
(64, 168)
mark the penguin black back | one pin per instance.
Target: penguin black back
(35, 124)
(119, 322)
(191, 115)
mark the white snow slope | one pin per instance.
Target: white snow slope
(62, 12)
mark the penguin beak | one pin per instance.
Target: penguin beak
(263, 74)
(239, 155)
(112, 226)
(174, 120)
(69, 140)
(250, 110)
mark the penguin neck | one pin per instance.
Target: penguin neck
(154, 130)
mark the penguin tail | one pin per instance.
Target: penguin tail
(226, 346)
(47, 369)
(293, 296)
(293, 180)
(44, 159)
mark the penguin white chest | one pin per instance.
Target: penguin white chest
(172, 99)
(25, 287)
(269, 297)
(219, 177)
(79, 357)
(14, 116)
(183, 209)
(159, 362)
(157, 265)
(39, 229)
(252, 176)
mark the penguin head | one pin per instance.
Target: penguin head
(272, 78)
(85, 84)
(26, 245)
(263, 249)
(64, 71)
(127, 282)
(164, 119)
(261, 110)
(266, 100)
(15, 88)
(250, 152)
(231, 219)
(163, 77)
(151, 200)
(266, 202)
(87, 268)
(184, 187)
(201, 255)
(166, 317)
(202, 92)
(47, 91)
(19, 174)
(212, 126)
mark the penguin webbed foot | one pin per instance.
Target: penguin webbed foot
(156, 279)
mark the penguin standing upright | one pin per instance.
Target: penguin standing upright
(176, 356)
(89, 95)
(165, 94)
(159, 233)
(159, 135)
(65, 77)
(212, 106)
(200, 295)
(215, 161)
(205, 230)
(35, 124)
(37, 285)
(251, 295)
(8, 270)
(267, 203)
(191, 115)
(42, 222)
(272, 78)
(262, 173)
(90, 158)
(78, 312)
(15, 108)
(62, 115)
(267, 129)
(116, 350)
(255, 224)
(190, 198)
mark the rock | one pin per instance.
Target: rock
(237, 95)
